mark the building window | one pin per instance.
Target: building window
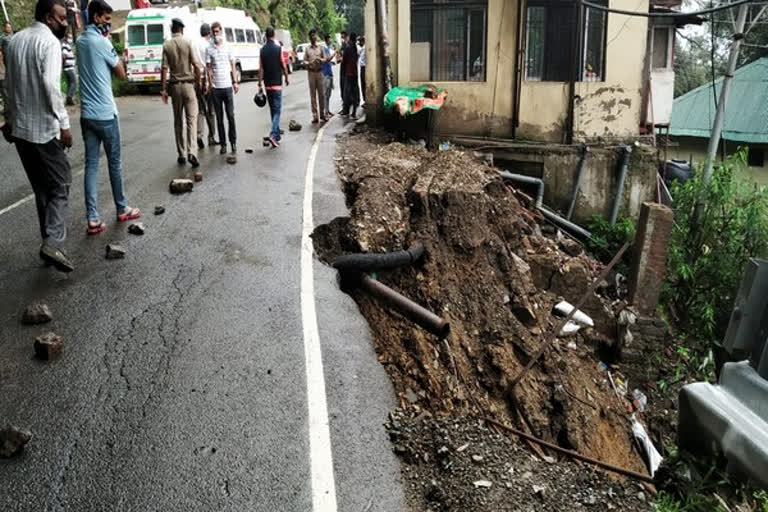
(239, 35)
(550, 53)
(661, 58)
(448, 40)
(755, 157)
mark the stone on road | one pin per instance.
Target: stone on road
(12, 441)
(36, 314)
(159, 210)
(48, 346)
(115, 252)
(137, 228)
(181, 186)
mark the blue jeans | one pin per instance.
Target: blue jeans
(94, 133)
(275, 99)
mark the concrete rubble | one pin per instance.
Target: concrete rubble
(48, 346)
(13, 440)
(181, 186)
(114, 252)
(36, 314)
(137, 228)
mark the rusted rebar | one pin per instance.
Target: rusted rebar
(573, 454)
(406, 307)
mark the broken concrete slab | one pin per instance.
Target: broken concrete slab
(181, 186)
(114, 252)
(36, 314)
(48, 346)
(137, 228)
(13, 440)
(159, 210)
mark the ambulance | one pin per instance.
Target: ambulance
(146, 30)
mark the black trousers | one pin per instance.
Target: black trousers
(362, 82)
(49, 174)
(224, 100)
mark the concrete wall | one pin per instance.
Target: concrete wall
(685, 148)
(610, 108)
(557, 165)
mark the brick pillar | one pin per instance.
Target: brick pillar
(650, 256)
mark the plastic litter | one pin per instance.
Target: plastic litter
(565, 308)
(640, 400)
(569, 329)
(652, 455)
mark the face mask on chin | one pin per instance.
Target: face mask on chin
(104, 28)
(218, 39)
(59, 31)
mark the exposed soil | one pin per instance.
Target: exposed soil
(458, 464)
(494, 269)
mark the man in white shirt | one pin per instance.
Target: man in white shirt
(205, 105)
(37, 122)
(221, 76)
(361, 52)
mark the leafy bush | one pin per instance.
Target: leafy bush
(607, 240)
(123, 87)
(706, 262)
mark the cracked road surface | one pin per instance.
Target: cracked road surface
(183, 385)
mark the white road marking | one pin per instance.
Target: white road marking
(29, 198)
(320, 453)
(17, 203)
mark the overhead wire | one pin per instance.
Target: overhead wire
(672, 15)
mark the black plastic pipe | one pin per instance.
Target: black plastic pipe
(577, 183)
(367, 262)
(406, 307)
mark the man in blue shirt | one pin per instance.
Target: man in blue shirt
(96, 62)
(271, 73)
(328, 75)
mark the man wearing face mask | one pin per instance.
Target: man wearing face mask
(97, 61)
(37, 122)
(221, 77)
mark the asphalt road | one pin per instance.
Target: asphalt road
(183, 385)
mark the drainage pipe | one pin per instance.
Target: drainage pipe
(548, 214)
(564, 223)
(620, 185)
(406, 307)
(529, 180)
(379, 261)
(577, 183)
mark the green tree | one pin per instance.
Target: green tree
(353, 11)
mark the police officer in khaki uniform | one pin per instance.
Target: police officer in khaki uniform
(180, 77)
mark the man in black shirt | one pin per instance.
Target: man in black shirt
(271, 73)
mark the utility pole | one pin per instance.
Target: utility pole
(717, 127)
(5, 13)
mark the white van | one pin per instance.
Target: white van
(146, 30)
(242, 35)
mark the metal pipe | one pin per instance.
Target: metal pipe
(530, 180)
(577, 183)
(573, 454)
(550, 215)
(406, 307)
(620, 185)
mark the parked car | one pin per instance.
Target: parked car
(677, 170)
(300, 51)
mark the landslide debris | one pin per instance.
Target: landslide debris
(495, 270)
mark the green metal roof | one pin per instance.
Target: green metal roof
(746, 113)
